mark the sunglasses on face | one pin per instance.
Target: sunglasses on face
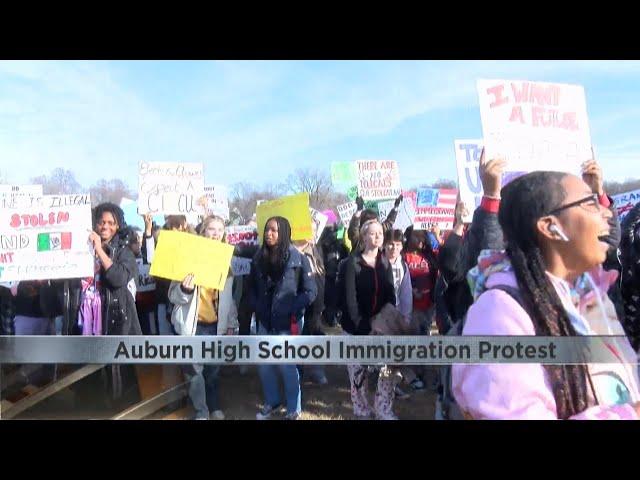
(590, 203)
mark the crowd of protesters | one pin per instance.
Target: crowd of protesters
(544, 255)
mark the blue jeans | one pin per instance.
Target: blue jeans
(203, 379)
(291, 379)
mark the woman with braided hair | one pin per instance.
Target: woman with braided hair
(282, 288)
(548, 282)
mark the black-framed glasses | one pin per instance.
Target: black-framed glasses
(590, 203)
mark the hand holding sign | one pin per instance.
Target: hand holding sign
(188, 284)
(461, 212)
(491, 175)
(592, 176)
(148, 224)
(95, 240)
(398, 201)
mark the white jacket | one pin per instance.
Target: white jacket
(185, 309)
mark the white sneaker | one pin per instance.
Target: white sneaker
(217, 415)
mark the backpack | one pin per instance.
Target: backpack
(449, 409)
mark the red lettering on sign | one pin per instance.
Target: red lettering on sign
(15, 220)
(497, 93)
(516, 114)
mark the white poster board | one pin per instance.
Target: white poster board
(406, 213)
(48, 240)
(378, 179)
(170, 188)
(535, 125)
(468, 165)
(24, 195)
(146, 283)
(217, 200)
(241, 235)
(318, 222)
(346, 211)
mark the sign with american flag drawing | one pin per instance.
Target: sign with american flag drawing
(439, 208)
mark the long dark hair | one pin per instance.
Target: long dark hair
(274, 260)
(524, 201)
(123, 232)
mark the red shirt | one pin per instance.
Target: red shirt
(422, 279)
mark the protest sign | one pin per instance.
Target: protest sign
(133, 218)
(170, 188)
(535, 125)
(346, 211)
(294, 208)
(405, 216)
(343, 174)
(47, 240)
(427, 197)
(624, 202)
(242, 235)
(146, 283)
(240, 266)
(217, 203)
(442, 214)
(179, 254)
(25, 196)
(318, 222)
(468, 165)
(344, 178)
(378, 179)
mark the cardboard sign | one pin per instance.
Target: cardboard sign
(240, 266)
(146, 283)
(443, 214)
(406, 212)
(318, 222)
(378, 179)
(217, 200)
(25, 196)
(535, 125)
(624, 202)
(468, 165)
(170, 188)
(47, 240)
(178, 254)
(241, 235)
(346, 211)
(294, 208)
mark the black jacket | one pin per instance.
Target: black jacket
(119, 315)
(457, 256)
(275, 304)
(367, 290)
(630, 279)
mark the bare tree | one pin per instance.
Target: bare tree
(243, 197)
(614, 188)
(444, 183)
(60, 181)
(318, 183)
(110, 191)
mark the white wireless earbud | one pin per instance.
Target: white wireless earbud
(558, 231)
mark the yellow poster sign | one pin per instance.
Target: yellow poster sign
(294, 208)
(179, 254)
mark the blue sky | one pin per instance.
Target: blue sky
(257, 121)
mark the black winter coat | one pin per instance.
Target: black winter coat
(275, 303)
(630, 280)
(457, 257)
(367, 290)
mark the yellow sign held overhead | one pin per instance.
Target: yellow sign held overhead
(179, 254)
(294, 208)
